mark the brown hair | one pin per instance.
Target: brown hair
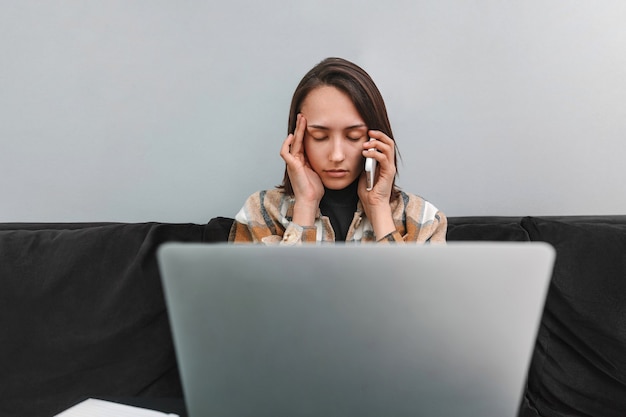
(357, 84)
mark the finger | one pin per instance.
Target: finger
(372, 147)
(378, 135)
(382, 142)
(286, 147)
(380, 157)
(297, 146)
(384, 155)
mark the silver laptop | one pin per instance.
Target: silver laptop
(365, 330)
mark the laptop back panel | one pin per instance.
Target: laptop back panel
(355, 330)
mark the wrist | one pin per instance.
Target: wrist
(382, 221)
(305, 213)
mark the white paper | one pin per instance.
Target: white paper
(100, 408)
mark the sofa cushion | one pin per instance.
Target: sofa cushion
(82, 314)
(579, 363)
(486, 228)
(218, 229)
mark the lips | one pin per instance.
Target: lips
(336, 173)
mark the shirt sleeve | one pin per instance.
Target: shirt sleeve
(239, 233)
(260, 221)
(422, 223)
(292, 235)
(296, 234)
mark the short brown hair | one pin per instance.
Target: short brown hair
(353, 81)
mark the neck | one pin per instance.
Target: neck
(348, 195)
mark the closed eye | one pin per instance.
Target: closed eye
(354, 139)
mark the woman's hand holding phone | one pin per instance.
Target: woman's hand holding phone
(306, 184)
(380, 148)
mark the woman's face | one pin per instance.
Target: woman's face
(334, 137)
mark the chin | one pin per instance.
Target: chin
(338, 185)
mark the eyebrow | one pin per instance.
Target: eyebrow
(320, 127)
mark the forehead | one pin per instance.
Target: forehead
(327, 104)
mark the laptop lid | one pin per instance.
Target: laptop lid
(367, 330)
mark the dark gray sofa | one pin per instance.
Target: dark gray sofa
(82, 312)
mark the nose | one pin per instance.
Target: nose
(337, 153)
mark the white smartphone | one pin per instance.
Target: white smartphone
(370, 171)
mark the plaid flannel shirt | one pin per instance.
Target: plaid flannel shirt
(266, 218)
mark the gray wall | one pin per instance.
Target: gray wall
(175, 111)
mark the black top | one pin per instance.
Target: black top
(339, 206)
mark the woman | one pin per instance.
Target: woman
(335, 111)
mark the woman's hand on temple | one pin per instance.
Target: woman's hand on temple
(306, 184)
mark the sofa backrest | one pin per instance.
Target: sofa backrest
(82, 314)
